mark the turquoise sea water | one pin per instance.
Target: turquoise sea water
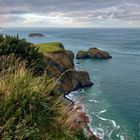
(113, 102)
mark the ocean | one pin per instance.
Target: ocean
(113, 103)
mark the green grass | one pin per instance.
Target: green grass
(54, 47)
(30, 109)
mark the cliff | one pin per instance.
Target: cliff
(60, 64)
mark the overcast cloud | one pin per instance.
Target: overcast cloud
(70, 13)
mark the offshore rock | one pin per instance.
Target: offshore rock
(93, 53)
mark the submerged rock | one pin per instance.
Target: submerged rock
(93, 53)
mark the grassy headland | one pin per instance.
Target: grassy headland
(53, 47)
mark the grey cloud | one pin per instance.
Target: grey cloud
(78, 10)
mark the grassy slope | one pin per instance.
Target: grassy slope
(31, 109)
(54, 47)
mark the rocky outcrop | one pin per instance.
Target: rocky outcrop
(61, 66)
(93, 53)
(36, 35)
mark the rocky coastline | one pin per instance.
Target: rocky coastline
(60, 65)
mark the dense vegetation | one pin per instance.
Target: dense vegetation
(20, 48)
(30, 109)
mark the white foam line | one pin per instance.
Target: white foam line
(102, 111)
(110, 134)
(93, 101)
(104, 119)
(113, 122)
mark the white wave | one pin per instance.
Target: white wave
(104, 49)
(102, 111)
(71, 96)
(115, 126)
(93, 101)
(68, 97)
(118, 126)
(104, 119)
(99, 132)
(118, 135)
(95, 69)
(81, 91)
(110, 134)
(122, 137)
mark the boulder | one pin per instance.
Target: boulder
(93, 53)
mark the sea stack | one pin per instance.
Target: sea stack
(94, 53)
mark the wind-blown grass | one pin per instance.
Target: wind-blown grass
(30, 110)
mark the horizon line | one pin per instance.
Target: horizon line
(76, 27)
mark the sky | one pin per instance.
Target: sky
(70, 13)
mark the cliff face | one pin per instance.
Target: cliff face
(61, 65)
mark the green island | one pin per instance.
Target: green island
(31, 106)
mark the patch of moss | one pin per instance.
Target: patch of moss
(54, 47)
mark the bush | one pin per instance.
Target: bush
(20, 48)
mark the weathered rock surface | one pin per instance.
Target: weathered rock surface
(93, 53)
(61, 65)
(36, 35)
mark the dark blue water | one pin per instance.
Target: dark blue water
(114, 101)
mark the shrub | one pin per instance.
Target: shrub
(20, 48)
